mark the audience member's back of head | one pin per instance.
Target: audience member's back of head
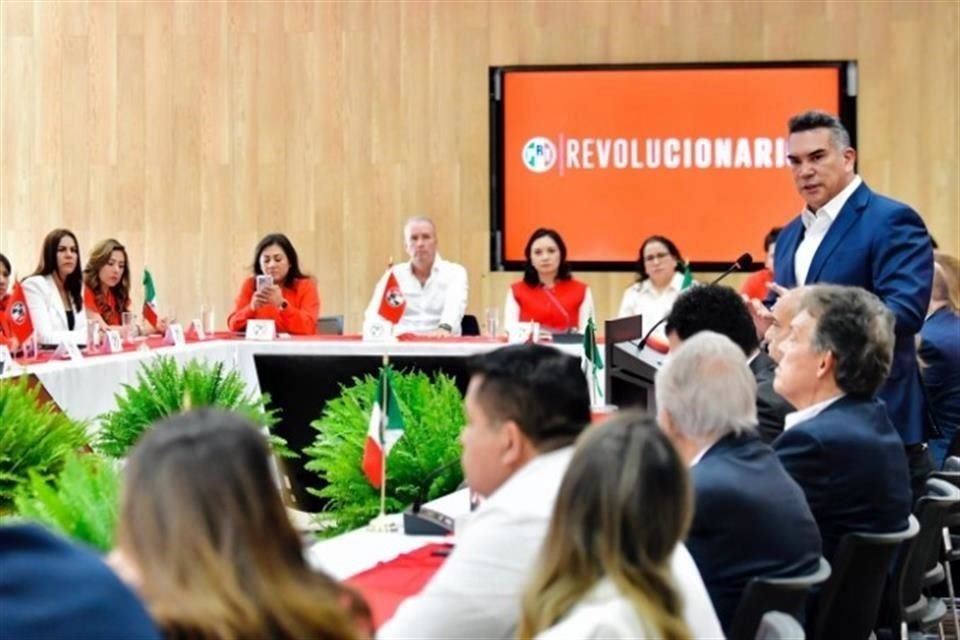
(51, 589)
(623, 507)
(541, 389)
(857, 328)
(946, 281)
(706, 390)
(714, 308)
(205, 529)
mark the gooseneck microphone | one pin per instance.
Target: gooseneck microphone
(744, 261)
(420, 521)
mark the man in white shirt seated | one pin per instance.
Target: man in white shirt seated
(526, 404)
(435, 290)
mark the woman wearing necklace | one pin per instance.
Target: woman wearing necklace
(548, 294)
(55, 292)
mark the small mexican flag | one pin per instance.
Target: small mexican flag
(149, 299)
(592, 363)
(386, 427)
(687, 278)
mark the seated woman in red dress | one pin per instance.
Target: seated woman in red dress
(106, 288)
(292, 301)
(548, 294)
(7, 339)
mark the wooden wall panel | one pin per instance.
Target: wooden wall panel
(189, 129)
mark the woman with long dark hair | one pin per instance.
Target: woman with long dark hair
(290, 300)
(205, 539)
(605, 566)
(55, 292)
(548, 293)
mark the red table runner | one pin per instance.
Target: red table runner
(388, 584)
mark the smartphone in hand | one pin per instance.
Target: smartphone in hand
(264, 282)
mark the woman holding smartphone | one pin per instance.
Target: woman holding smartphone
(277, 290)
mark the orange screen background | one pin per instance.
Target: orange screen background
(713, 214)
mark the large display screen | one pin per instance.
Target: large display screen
(610, 155)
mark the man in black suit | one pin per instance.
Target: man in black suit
(722, 310)
(750, 518)
(840, 445)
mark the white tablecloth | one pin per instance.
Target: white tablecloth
(86, 389)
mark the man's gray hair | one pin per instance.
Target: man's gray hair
(808, 120)
(414, 219)
(707, 388)
(853, 325)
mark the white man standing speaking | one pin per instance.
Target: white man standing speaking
(435, 290)
(850, 235)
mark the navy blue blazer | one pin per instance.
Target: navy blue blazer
(750, 519)
(850, 463)
(51, 589)
(940, 355)
(880, 245)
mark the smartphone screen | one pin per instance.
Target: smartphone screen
(264, 282)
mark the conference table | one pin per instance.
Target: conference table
(301, 374)
(387, 567)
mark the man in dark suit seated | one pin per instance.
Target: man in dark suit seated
(840, 445)
(721, 309)
(750, 518)
(50, 589)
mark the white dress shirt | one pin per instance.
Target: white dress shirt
(816, 225)
(441, 300)
(476, 593)
(792, 419)
(642, 298)
(48, 314)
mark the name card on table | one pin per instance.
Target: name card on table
(523, 332)
(378, 331)
(196, 327)
(68, 351)
(261, 330)
(174, 335)
(112, 342)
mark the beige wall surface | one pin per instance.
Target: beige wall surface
(188, 130)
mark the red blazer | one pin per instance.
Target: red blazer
(112, 315)
(299, 318)
(4, 330)
(557, 308)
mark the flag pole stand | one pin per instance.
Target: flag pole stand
(383, 524)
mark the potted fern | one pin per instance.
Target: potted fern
(34, 437)
(432, 412)
(82, 501)
(163, 388)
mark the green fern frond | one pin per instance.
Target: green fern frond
(432, 411)
(34, 437)
(82, 501)
(164, 388)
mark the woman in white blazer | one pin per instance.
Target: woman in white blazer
(55, 292)
(613, 552)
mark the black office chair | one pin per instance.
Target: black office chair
(777, 625)
(469, 326)
(848, 604)
(905, 603)
(330, 325)
(764, 595)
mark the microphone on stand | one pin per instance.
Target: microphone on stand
(744, 261)
(427, 522)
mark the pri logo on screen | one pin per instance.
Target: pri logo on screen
(539, 154)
